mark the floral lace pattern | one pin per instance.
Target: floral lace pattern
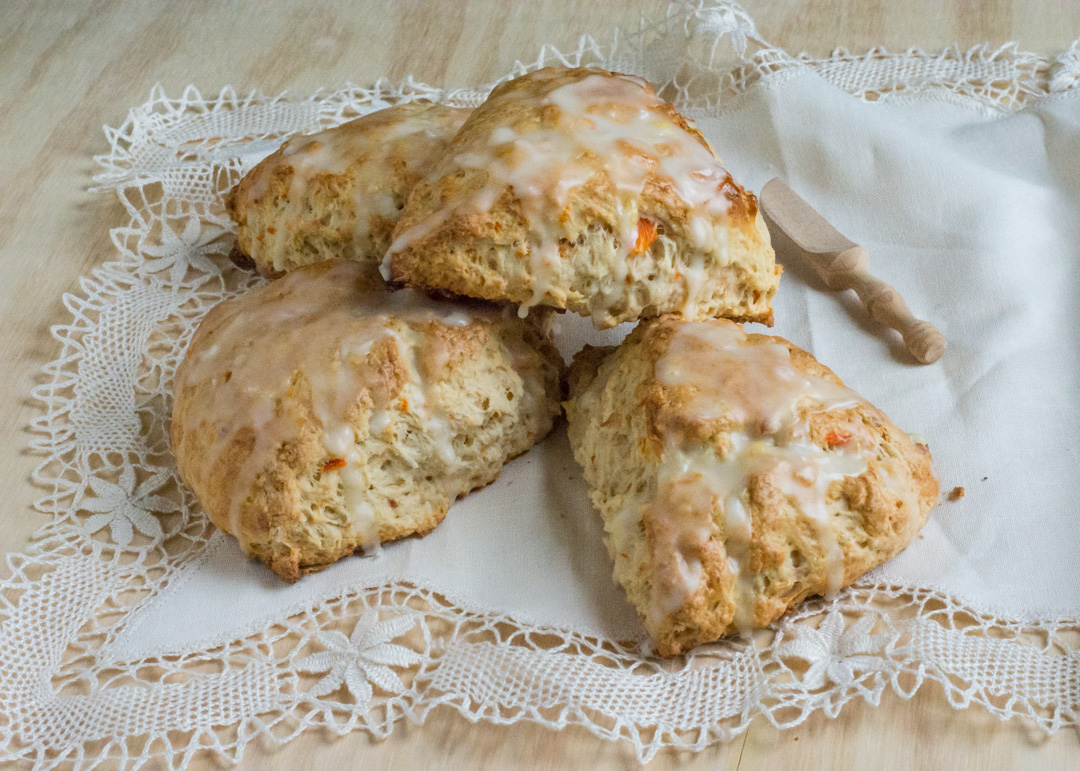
(362, 659)
(122, 525)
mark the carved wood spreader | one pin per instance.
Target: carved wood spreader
(843, 264)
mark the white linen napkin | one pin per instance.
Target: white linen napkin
(973, 216)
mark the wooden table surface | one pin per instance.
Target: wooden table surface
(68, 68)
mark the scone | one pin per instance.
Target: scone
(338, 193)
(736, 476)
(322, 414)
(581, 189)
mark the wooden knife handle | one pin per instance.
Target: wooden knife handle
(848, 269)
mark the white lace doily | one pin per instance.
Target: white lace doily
(121, 525)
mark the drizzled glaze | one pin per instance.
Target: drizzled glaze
(757, 390)
(411, 135)
(601, 124)
(324, 322)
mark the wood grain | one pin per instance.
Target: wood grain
(68, 68)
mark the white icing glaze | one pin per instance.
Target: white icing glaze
(414, 135)
(339, 440)
(695, 277)
(757, 384)
(323, 325)
(612, 125)
(354, 487)
(379, 421)
(760, 391)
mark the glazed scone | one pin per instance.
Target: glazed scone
(736, 476)
(338, 193)
(581, 189)
(322, 414)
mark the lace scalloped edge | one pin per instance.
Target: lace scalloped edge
(122, 526)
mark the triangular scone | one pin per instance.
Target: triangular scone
(337, 194)
(736, 476)
(321, 414)
(581, 189)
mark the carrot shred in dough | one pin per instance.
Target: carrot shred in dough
(646, 234)
(332, 464)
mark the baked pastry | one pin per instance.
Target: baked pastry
(736, 476)
(581, 189)
(338, 193)
(322, 414)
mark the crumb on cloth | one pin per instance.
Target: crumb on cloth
(956, 493)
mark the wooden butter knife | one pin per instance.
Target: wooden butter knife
(843, 264)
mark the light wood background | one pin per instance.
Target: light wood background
(68, 68)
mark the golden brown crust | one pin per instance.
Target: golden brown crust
(337, 194)
(443, 241)
(617, 400)
(261, 403)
